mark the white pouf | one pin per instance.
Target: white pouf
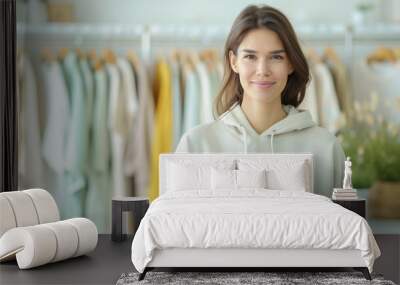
(31, 233)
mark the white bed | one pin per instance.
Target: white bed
(248, 227)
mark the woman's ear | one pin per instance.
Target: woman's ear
(233, 61)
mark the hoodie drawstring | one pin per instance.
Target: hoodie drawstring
(244, 135)
(272, 141)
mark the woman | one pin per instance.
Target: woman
(265, 79)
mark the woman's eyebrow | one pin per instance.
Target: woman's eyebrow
(271, 52)
(277, 51)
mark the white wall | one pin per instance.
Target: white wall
(220, 12)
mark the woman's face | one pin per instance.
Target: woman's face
(262, 65)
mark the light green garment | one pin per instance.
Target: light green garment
(215, 82)
(177, 102)
(191, 110)
(206, 109)
(89, 93)
(297, 133)
(74, 179)
(98, 203)
(55, 94)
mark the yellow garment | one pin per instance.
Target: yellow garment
(162, 135)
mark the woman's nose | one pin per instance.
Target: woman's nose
(263, 68)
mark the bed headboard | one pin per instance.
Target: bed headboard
(209, 158)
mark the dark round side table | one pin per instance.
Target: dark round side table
(137, 205)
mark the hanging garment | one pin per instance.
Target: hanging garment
(128, 104)
(138, 155)
(342, 87)
(30, 167)
(220, 70)
(124, 123)
(191, 110)
(98, 202)
(76, 147)
(310, 101)
(162, 138)
(122, 117)
(89, 93)
(58, 114)
(115, 126)
(206, 109)
(215, 85)
(55, 130)
(330, 114)
(177, 102)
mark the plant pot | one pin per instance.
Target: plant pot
(384, 200)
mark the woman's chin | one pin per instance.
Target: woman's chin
(266, 97)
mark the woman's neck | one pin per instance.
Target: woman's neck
(261, 115)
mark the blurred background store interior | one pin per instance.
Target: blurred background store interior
(106, 86)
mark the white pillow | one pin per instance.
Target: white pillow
(236, 179)
(251, 178)
(186, 175)
(223, 179)
(281, 174)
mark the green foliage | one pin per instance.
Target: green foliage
(386, 153)
(374, 148)
(362, 163)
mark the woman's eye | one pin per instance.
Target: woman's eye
(277, 57)
(250, 56)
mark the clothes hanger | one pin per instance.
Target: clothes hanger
(98, 64)
(132, 57)
(313, 56)
(47, 55)
(109, 56)
(63, 53)
(174, 55)
(382, 54)
(92, 55)
(207, 57)
(80, 54)
(330, 53)
(397, 53)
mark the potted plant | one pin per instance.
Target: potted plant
(384, 195)
(374, 146)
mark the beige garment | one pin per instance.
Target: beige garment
(116, 128)
(342, 86)
(329, 114)
(138, 156)
(127, 104)
(310, 101)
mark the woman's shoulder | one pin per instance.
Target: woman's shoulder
(204, 129)
(321, 133)
(194, 139)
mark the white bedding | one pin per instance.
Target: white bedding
(250, 218)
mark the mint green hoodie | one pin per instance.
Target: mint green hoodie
(297, 133)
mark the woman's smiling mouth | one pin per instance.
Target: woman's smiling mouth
(263, 84)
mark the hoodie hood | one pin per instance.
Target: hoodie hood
(294, 121)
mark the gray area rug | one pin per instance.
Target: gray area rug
(229, 278)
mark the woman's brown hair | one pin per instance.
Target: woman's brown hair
(255, 17)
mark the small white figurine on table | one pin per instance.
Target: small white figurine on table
(347, 192)
(347, 184)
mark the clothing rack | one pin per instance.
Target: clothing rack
(148, 37)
